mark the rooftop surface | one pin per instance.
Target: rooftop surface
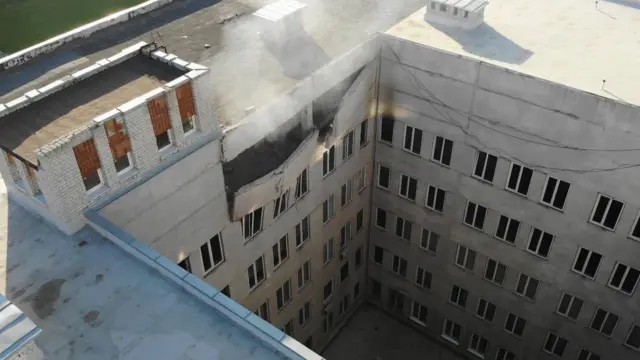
(572, 42)
(94, 301)
(39, 123)
(371, 334)
(249, 69)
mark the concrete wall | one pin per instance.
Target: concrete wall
(416, 82)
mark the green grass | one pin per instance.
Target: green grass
(27, 22)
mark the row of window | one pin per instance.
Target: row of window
(606, 211)
(329, 155)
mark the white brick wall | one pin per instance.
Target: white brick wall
(176, 122)
(7, 171)
(143, 142)
(207, 112)
(109, 173)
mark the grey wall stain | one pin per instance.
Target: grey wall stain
(45, 299)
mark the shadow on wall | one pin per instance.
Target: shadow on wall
(630, 3)
(485, 41)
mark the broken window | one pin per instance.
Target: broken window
(184, 93)
(119, 143)
(161, 121)
(89, 164)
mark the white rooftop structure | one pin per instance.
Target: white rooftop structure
(279, 10)
(466, 14)
(571, 42)
(467, 5)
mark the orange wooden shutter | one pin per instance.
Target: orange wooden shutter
(185, 102)
(87, 158)
(159, 112)
(119, 142)
(10, 159)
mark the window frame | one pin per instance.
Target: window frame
(421, 308)
(570, 306)
(255, 273)
(465, 260)
(406, 228)
(376, 247)
(360, 179)
(279, 247)
(346, 193)
(484, 313)
(461, 296)
(441, 151)
(606, 317)
(304, 314)
(427, 278)
(582, 272)
(302, 185)
(326, 299)
(328, 209)
(303, 280)
(479, 339)
(555, 193)
(475, 215)
(344, 273)
(450, 337)
(348, 145)
(281, 204)
(555, 343)
(518, 181)
(431, 237)
(484, 167)
(252, 216)
(386, 218)
(412, 140)
(526, 287)
(437, 192)
(506, 229)
(281, 302)
(328, 250)
(540, 242)
(495, 272)
(388, 178)
(364, 133)
(300, 233)
(635, 327)
(400, 266)
(504, 354)
(407, 187)
(606, 212)
(209, 244)
(393, 126)
(346, 234)
(516, 319)
(623, 278)
(328, 161)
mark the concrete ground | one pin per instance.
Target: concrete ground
(371, 334)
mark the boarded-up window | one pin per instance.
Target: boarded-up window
(187, 106)
(119, 143)
(89, 163)
(159, 112)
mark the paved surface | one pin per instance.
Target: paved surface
(250, 67)
(373, 335)
(94, 301)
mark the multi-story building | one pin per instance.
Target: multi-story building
(447, 173)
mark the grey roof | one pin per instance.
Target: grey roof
(94, 301)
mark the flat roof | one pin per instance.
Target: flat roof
(249, 68)
(571, 42)
(43, 121)
(93, 300)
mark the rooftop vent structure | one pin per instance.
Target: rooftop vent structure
(281, 17)
(466, 14)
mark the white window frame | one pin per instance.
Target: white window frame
(431, 236)
(555, 343)
(327, 299)
(515, 191)
(624, 277)
(483, 313)
(254, 269)
(407, 194)
(364, 133)
(346, 235)
(348, 145)
(475, 215)
(449, 336)
(304, 314)
(266, 316)
(406, 228)
(251, 216)
(280, 204)
(478, 341)
(360, 179)
(635, 327)
(420, 309)
(582, 271)
(504, 354)
(386, 218)
(424, 284)
(492, 279)
(466, 257)
(437, 192)
(360, 221)
(328, 208)
(516, 319)
(304, 277)
(459, 296)
(374, 255)
(328, 249)
(346, 193)
(328, 156)
(300, 233)
(636, 223)
(536, 252)
(484, 167)
(572, 302)
(606, 212)
(281, 293)
(506, 229)
(388, 179)
(393, 129)
(587, 355)
(526, 286)
(302, 184)
(413, 130)
(555, 193)
(396, 266)
(441, 151)
(278, 247)
(606, 317)
(327, 322)
(214, 265)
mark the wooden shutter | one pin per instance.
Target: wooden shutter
(187, 107)
(87, 158)
(159, 112)
(10, 159)
(119, 141)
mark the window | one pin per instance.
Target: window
(329, 161)
(344, 305)
(344, 272)
(606, 212)
(633, 339)
(160, 120)
(288, 328)
(555, 345)
(412, 139)
(304, 314)
(455, 11)
(429, 241)
(466, 14)
(486, 310)
(515, 325)
(527, 287)
(346, 193)
(403, 228)
(474, 215)
(345, 234)
(328, 290)
(442, 149)
(604, 322)
(507, 229)
(485, 166)
(408, 186)
(466, 258)
(540, 243)
(451, 331)
(358, 257)
(255, 273)
(587, 355)
(435, 199)
(419, 313)
(396, 300)
(347, 145)
(378, 255)
(359, 179)
(280, 204)
(381, 219)
(212, 254)
(635, 230)
(302, 232)
(187, 107)
(356, 290)
(399, 266)
(376, 289)
(503, 354)
(327, 209)
(519, 179)
(364, 133)
(384, 174)
(89, 164)
(587, 262)
(226, 291)
(423, 278)
(360, 221)
(624, 278)
(280, 251)
(570, 306)
(443, 8)
(495, 272)
(386, 129)
(458, 296)
(120, 144)
(555, 193)
(252, 223)
(328, 249)
(263, 311)
(283, 295)
(302, 184)
(185, 264)
(327, 322)
(478, 345)
(304, 275)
